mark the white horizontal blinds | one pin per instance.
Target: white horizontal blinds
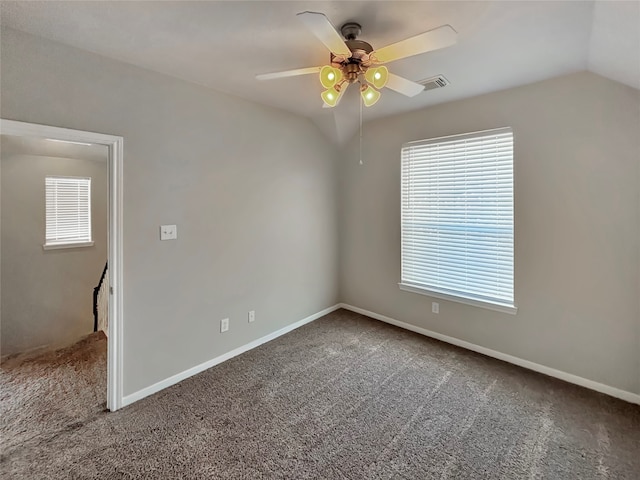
(68, 210)
(457, 215)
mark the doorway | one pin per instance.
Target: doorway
(114, 145)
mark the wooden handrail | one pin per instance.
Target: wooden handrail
(96, 290)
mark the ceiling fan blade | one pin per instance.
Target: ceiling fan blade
(288, 73)
(440, 37)
(404, 86)
(340, 94)
(322, 28)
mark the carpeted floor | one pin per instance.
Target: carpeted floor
(45, 394)
(348, 397)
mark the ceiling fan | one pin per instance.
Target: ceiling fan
(355, 61)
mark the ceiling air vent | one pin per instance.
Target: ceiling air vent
(434, 82)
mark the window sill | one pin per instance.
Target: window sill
(57, 246)
(498, 307)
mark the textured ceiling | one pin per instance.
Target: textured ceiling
(223, 45)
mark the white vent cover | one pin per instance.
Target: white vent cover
(434, 82)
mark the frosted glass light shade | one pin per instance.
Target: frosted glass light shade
(330, 96)
(377, 77)
(329, 76)
(370, 96)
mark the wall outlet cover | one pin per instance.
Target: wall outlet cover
(168, 232)
(224, 325)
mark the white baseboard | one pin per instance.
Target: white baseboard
(552, 372)
(178, 377)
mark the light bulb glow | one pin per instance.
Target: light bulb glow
(369, 96)
(330, 97)
(377, 77)
(329, 76)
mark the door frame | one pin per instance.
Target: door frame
(115, 146)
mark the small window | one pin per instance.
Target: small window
(457, 218)
(68, 212)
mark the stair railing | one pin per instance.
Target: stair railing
(101, 302)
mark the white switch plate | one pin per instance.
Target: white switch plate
(224, 325)
(435, 307)
(168, 232)
(252, 316)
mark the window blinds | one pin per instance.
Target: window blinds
(457, 216)
(68, 210)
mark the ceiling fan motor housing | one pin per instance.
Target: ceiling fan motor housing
(359, 45)
(358, 62)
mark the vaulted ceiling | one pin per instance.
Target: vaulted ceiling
(223, 45)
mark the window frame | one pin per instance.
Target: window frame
(71, 243)
(440, 292)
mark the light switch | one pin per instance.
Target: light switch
(168, 232)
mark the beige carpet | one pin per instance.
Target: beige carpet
(349, 397)
(40, 396)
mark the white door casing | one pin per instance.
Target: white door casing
(115, 147)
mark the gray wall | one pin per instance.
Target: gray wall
(577, 223)
(47, 294)
(252, 190)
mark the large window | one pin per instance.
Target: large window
(457, 218)
(68, 212)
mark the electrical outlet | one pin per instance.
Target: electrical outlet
(252, 316)
(168, 232)
(224, 325)
(435, 307)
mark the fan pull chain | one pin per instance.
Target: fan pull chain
(361, 162)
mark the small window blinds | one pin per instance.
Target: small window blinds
(68, 211)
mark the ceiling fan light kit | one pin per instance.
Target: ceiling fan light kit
(354, 60)
(330, 76)
(330, 97)
(377, 77)
(369, 95)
